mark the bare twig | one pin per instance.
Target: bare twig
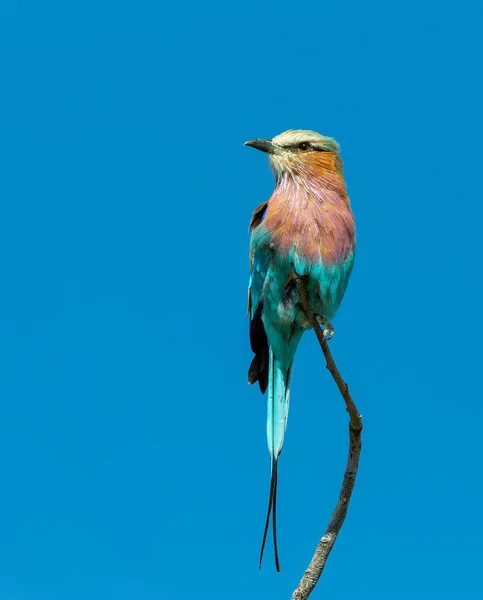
(324, 547)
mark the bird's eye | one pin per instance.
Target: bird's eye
(304, 146)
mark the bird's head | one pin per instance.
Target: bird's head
(300, 152)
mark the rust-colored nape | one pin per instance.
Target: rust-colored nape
(324, 161)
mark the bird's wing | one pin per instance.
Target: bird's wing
(259, 261)
(258, 270)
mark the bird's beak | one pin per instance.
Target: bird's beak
(264, 145)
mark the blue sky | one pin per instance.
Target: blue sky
(134, 463)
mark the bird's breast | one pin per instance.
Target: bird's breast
(313, 222)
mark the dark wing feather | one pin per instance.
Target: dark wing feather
(257, 216)
(258, 370)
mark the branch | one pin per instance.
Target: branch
(324, 547)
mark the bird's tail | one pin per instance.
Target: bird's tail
(279, 378)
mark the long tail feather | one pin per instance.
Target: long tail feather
(274, 522)
(272, 506)
(277, 413)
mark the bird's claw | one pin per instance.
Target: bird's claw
(328, 327)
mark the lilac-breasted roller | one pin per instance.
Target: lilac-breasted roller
(305, 229)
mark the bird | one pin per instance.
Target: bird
(306, 229)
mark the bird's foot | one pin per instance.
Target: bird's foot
(328, 327)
